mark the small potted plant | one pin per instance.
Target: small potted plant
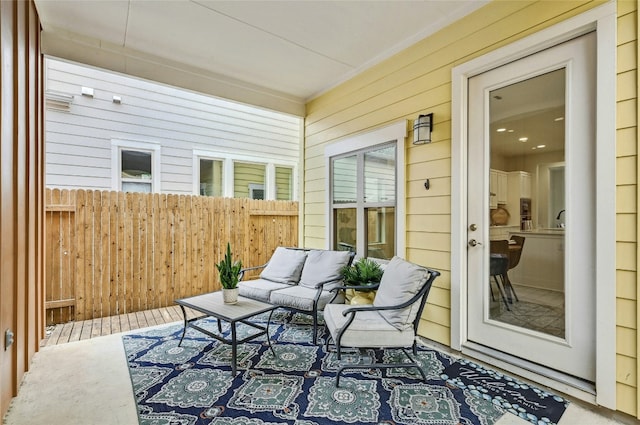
(362, 273)
(229, 276)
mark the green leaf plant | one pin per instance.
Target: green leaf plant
(229, 270)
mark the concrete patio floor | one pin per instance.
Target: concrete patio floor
(87, 383)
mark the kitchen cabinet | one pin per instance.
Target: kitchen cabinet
(518, 186)
(497, 188)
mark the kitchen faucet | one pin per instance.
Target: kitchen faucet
(558, 218)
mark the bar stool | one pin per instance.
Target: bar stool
(498, 267)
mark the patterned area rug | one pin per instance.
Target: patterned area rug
(529, 403)
(192, 384)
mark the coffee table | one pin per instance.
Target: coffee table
(212, 305)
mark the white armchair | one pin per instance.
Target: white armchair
(392, 320)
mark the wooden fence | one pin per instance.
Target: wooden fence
(110, 253)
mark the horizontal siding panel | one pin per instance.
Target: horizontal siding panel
(433, 150)
(439, 260)
(627, 56)
(439, 186)
(440, 297)
(626, 399)
(437, 314)
(626, 85)
(626, 313)
(63, 181)
(429, 205)
(626, 114)
(428, 222)
(86, 151)
(627, 28)
(626, 199)
(626, 142)
(626, 255)
(78, 171)
(436, 168)
(626, 284)
(626, 341)
(431, 241)
(626, 227)
(435, 332)
(626, 370)
(626, 170)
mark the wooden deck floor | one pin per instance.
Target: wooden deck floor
(76, 331)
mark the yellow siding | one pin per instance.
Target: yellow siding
(627, 209)
(418, 80)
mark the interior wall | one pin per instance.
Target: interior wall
(418, 81)
(21, 193)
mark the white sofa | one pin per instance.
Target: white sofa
(298, 279)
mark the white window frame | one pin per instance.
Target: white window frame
(396, 132)
(229, 159)
(118, 145)
(197, 156)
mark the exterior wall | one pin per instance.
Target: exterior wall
(627, 361)
(418, 80)
(79, 140)
(22, 193)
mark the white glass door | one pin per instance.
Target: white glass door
(531, 284)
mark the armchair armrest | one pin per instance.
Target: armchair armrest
(357, 287)
(247, 269)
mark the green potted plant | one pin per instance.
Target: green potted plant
(362, 273)
(229, 276)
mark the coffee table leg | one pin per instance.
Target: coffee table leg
(184, 331)
(268, 338)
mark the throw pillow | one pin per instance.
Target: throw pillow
(400, 282)
(323, 267)
(284, 266)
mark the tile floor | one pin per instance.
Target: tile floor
(87, 382)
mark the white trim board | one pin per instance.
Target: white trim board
(602, 19)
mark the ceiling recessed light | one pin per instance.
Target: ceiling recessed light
(541, 146)
(501, 130)
(533, 148)
(510, 131)
(523, 139)
(559, 119)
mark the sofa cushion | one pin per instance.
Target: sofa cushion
(401, 280)
(284, 266)
(323, 267)
(259, 289)
(368, 329)
(301, 298)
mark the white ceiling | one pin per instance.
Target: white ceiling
(297, 48)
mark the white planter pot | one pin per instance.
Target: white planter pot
(230, 296)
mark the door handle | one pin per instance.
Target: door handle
(474, 242)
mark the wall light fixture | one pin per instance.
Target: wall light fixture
(422, 128)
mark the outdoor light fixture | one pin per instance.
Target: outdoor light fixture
(422, 128)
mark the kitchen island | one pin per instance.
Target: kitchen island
(542, 260)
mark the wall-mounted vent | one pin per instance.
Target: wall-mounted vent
(58, 101)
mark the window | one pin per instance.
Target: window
(365, 175)
(248, 180)
(210, 182)
(242, 176)
(135, 166)
(364, 191)
(284, 183)
(136, 171)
